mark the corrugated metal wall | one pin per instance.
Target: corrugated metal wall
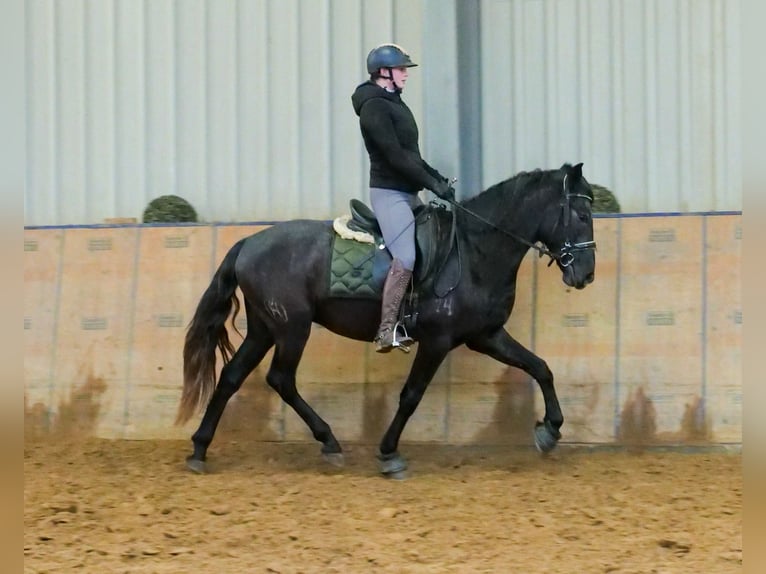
(645, 92)
(243, 107)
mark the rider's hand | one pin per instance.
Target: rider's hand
(444, 190)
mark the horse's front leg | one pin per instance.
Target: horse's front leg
(501, 346)
(424, 367)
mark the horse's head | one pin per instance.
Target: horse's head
(567, 229)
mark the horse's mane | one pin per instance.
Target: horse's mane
(511, 187)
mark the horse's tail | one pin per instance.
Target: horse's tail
(207, 331)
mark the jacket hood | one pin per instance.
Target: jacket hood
(368, 91)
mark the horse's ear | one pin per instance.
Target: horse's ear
(577, 171)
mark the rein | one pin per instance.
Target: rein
(565, 255)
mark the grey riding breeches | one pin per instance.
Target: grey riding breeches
(393, 209)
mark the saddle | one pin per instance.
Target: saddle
(437, 265)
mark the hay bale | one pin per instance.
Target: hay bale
(604, 200)
(169, 209)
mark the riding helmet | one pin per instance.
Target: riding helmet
(388, 56)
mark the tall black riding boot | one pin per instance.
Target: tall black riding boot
(393, 292)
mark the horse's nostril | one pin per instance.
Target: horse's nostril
(590, 277)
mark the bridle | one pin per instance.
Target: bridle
(565, 255)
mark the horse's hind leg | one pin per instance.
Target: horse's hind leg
(281, 377)
(257, 343)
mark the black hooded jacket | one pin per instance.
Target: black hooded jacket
(391, 137)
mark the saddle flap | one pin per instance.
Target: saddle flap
(433, 241)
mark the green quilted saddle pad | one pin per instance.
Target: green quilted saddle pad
(351, 269)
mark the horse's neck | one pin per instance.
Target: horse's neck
(499, 249)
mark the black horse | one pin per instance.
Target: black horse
(283, 274)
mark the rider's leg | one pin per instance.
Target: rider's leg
(393, 210)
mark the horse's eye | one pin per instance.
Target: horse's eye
(584, 217)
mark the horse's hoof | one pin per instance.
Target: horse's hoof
(196, 465)
(392, 465)
(546, 437)
(400, 475)
(334, 458)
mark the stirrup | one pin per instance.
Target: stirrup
(401, 343)
(404, 342)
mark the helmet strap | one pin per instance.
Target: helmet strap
(390, 78)
(397, 89)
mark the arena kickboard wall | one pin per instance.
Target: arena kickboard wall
(649, 353)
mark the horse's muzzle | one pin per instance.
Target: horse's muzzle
(588, 280)
(577, 282)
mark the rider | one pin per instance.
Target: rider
(397, 174)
